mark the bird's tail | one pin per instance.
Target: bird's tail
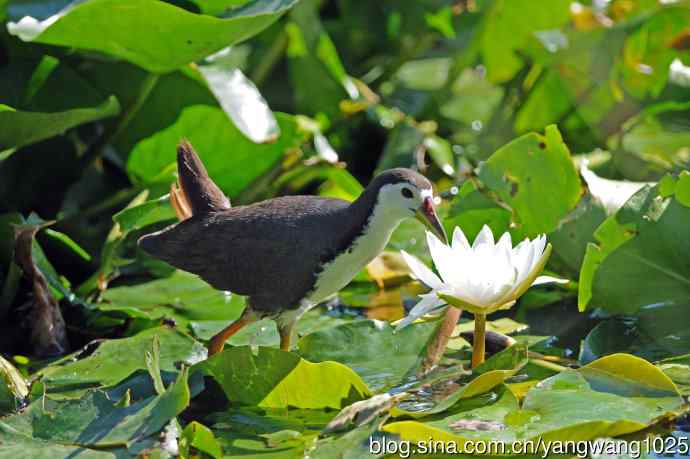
(195, 193)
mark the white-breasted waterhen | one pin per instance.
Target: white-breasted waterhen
(285, 254)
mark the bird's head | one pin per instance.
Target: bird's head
(405, 193)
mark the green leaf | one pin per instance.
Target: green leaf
(654, 333)
(380, 355)
(69, 242)
(637, 247)
(232, 160)
(242, 101)
(123, 28)
(441, 153)
(627, 375)
(183, 297)
(267, 432)
(111, 253)
(97, 421)
(276, 379)
(678, 370)
(352, 444)
(658, 135)
(485, 378)
(424, 74)
(534, 175)
(199, 437)
(550, 99)
(471, 209)
(13, 387)
(574, 232)
(647, 53)
(610, 397)
(114, 360)
(319, 80)
(13, 445)
(153, 364)
(473, 99)
(264, 332)
(144, 214)
(20, 128)
(506, 27)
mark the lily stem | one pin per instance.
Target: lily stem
(479, 341)
(548, 365)
(438, 345)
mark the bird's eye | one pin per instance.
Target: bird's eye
(406, 192)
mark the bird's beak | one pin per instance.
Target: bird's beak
(427, 215)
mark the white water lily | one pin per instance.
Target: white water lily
(480, 278)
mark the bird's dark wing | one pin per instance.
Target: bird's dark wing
(269, 251)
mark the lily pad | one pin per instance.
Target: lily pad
(114, 360)
(485, 378)
(574, 232)
(264, 332)
(13, 445)
(349, 445)
(269, 433)
(655, 333)
(200, 438)
(638, 258)
(379, 354)
(97, 421)
(182, 297)
(678, 369)
(275, 379)
(471, 209)
(613, 396)
(534, 175)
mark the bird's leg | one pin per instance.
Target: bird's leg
(285, 330)
(437, 346)
(218, 341)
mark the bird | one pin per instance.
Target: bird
(286, 254)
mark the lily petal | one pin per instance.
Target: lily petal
(421, 271)
(525, 260)
(541, 280)
(485, 236)
(527, 282)
(443, 258)
(505, 242)
(430, 302)
(460, 240)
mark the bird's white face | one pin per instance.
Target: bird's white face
(402, 200)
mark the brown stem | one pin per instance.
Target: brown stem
(436, 348)
(479, 342)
